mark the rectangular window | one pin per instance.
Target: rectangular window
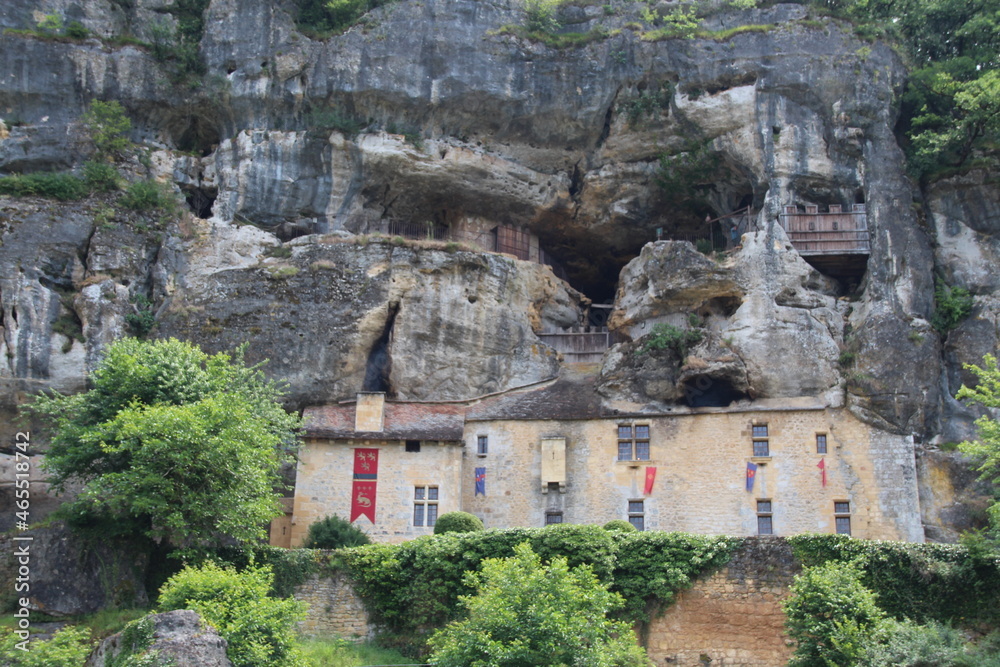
(764, 525)
(553, 518)
(637, 514)
(425, 505)
(842, 516)
(413, 445)
(482, 445)
(633, 442)
(761, 445)
(821, 443)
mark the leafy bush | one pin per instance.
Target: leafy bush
(828, 614)
(76, 30)
(101, 176)
(540, 15)
(109, 128)
(457, 522)
(526, 613)
(324, 17)
(985, 451)
(68, 647)
(620, 525)
(143, 318)
(333, 532)
(906, 644)
(952, 304)
(147, 196)
(260, 629)
(64, 187)
(667, 336)
(924, 582)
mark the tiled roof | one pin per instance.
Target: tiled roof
(572, 396)
(403, 421)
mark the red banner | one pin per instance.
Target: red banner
(822, 467)
(363, 493)
(650, 478)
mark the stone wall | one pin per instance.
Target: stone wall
(731, 617)
(334, 608)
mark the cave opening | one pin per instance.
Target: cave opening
(193, 133)
(200, 201)
(379, 366)
(705, 391)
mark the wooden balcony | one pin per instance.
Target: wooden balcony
(835, 242)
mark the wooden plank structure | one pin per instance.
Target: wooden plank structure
(835, 242)
(578, 346)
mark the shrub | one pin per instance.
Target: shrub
(620, 526)
(457, 522)
(147, 196)
(260, 629)
(333, 532)
(527, 613)
(109, 128)
(667, 336)
(951, 306)
(64, 187)
(906, 644)
(76, 30)
(829, 614)
(143, 318)
(68, 647)
(101, 176)
(540, 15)
(51, 24)
(335, 119)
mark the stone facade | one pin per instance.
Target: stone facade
(700, 462)
(544, 455)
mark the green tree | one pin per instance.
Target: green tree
(260, 630)
(986, 450)
(109, 128)
(527, 613)
(831, 616)
(171, 443)
(334, 532)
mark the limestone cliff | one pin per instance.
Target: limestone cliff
(459, 123)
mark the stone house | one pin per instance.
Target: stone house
(554, 453)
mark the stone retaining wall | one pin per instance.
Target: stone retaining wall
(334, 608)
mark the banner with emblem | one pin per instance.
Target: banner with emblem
(363, 493)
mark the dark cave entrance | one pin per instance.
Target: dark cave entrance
(200, 201)
(704, 391)
(379, 366)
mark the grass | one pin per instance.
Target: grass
(555, 40)
(333, 652)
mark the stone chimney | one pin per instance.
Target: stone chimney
(369, 411)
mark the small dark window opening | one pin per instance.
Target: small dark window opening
(413, 445)
(821, 443)
(552, 518)
(764, 525)
(482, 444)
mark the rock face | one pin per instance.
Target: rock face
(178, 638)
(71, 576)
(289, 148)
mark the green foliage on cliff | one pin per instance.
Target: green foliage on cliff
(986, 450)
(171, 443)
(109, 129)
(951, 107)
(669, 337)
(322, 18)
(952, 304)
(527, 613)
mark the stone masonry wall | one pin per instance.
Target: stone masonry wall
(732, 617)
(334, 608)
